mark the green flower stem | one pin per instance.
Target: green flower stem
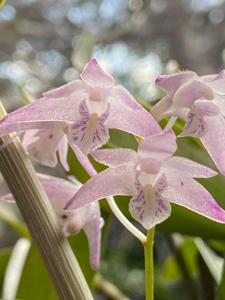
(149, 265)
(41, 220)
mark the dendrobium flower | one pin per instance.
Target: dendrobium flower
(87, 217)
(83, 110)
(42, 145)
(201, 102)
(153, 178)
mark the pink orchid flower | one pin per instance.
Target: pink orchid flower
(42, 146)
(153, 178)
(83, 111)
(201, 102)
(87, 217)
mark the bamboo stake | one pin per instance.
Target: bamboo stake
(41, 221)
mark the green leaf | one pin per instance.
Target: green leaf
(2, 3)
(80, 247)
(15, 268)
(121, 139)
(10, 217)
(220, 295)
(171, 271)
(35, 282)
(75, 167)
(4, 259)
(212, 260)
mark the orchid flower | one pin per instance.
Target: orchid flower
(200, 101)
(153, 178)
(42, 146)
(82, 112)
(87, 217)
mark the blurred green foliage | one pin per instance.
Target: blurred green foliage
(35, 282)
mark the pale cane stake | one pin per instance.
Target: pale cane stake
(41, 221)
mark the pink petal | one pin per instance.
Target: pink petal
(149, 208)
(161, 107)
(95, 76)
(205, 107)
(121, 96)
(112, 181)
(158, 147)
(8, 197)
(212, 77)
(78, 218)
(42, 145)
(83, 159)
(65, 90)
(63, 150)
(191, 91)
(89, 218)
(189, 193)
(216, 81)
(93, 232)
(8, 126)
(138, 122)
(181, 113)
(45, 113)
(170, 83)
(115, 157)
(59, 190)
(189, 167)
(214, 140)
(219, 101)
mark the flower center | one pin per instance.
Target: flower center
(95, 96)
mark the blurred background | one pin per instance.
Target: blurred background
(44, 44)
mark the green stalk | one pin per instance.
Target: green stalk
(149, 265)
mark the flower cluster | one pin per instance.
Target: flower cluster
(81, 113)
(200, 101)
